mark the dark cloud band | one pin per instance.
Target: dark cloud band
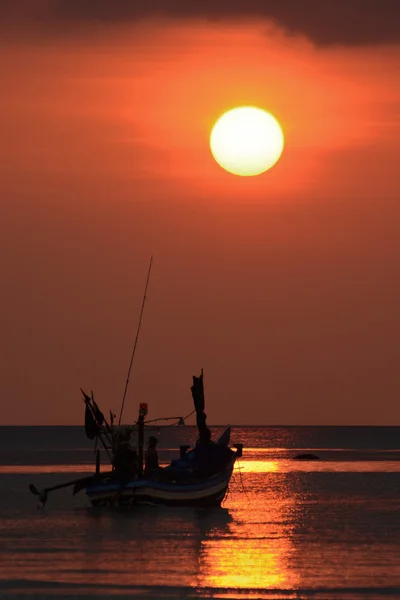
(350, 22)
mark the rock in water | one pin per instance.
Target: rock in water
(306, 457)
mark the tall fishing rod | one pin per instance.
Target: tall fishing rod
(136, 340)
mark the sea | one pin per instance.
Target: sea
(319, 529)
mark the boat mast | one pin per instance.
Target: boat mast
(136, 340)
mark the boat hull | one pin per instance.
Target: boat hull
(207, 492)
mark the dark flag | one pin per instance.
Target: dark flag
(98, 414)
(92, 430)
(94, 418)
(87, 398)
(198, 399)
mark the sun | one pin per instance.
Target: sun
(246, 141)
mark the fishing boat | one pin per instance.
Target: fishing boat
(197, 477)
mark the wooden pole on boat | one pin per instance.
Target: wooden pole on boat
(136, 340)
(140, 422)
(97, 462)
(42, 493)
(104, 444)
(140, 443)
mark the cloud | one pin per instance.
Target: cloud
(359, 22)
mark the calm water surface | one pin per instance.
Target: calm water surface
(288, 529)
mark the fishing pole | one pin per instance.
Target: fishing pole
(136, 340)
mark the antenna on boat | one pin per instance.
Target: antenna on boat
(136, 340)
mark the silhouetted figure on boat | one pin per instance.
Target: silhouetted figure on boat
(209, 457)
(151, 456)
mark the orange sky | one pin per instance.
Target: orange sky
(284, 287)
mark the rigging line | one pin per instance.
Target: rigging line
(174, 424)
(241, 481)
(162, 426)
(162, 419)
(170, 418)
(189, 415)
(136, 340)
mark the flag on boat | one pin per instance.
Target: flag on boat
(98, 415)
(94, 418)
(198, 399)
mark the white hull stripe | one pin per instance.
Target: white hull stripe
(152, 492)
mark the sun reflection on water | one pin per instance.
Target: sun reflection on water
(258, 466)
(256, 552)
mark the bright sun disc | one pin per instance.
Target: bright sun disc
(246, 141)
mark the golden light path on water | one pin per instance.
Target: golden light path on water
(256, 554)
